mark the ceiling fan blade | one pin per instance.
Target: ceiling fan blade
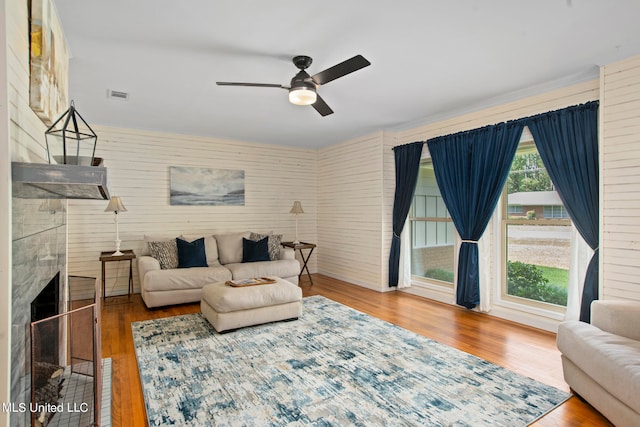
(340, 70)
(251, 84)
(322, 107)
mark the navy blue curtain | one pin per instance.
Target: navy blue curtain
(567, 141)
(407, 159)
(471, 169)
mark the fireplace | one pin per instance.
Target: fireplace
(65, 359)
(47, 304)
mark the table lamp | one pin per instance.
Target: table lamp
(115, 205)
(296, 209)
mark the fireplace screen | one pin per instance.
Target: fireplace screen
(65, 377)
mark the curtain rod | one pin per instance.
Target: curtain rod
(588, 104)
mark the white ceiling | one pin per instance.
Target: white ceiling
(430, 60)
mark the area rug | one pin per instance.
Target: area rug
(335, 366)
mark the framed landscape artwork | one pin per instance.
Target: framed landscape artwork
(49, 76)
(203, 186)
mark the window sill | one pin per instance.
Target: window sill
(548, 313)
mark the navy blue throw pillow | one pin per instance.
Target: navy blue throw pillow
(191, 254)
(255, 251)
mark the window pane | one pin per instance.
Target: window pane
(434, 260)
(538, 260)
(432, 240)
(538, 249)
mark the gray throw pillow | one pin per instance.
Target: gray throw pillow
(273, 243)
(165, 252)
(230, 247)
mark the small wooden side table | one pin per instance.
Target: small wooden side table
(105, 257)
(299, 247)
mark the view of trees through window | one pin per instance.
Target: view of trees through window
(537, 233)
(528, 174)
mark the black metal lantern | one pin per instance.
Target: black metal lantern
(70, 140)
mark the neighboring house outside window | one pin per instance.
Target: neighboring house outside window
(544, 204)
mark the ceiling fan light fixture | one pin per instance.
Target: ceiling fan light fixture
(303, 95)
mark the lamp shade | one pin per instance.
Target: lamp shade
(115, 205)
(296, 208)
(70, 140)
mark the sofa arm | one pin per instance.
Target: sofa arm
(617, 317)
(287, 253)
(145, 265)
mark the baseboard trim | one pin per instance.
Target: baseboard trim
(378, 288)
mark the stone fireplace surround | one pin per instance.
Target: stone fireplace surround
(39, 253)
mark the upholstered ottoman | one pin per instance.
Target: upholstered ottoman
(227, 307)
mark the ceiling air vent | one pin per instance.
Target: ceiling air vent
(116, 94)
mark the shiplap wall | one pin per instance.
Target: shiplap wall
(620, 180)
(138, 168)
(5, 222)
(350, 195)
(26, 143)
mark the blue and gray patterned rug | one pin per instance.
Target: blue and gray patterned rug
(334, 366)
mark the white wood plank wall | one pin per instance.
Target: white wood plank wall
(350, 210)
(138, 168)
(620, 180)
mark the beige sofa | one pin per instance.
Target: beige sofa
(168, 286)
(601, 360)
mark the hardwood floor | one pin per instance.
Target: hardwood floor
(528, 351)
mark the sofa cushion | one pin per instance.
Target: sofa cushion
(165, 252)
(610, 360)
(191, 254)
(184, 278)
(273, 243)
(253, 251)
(210, 247)
(230, 246)
(281, 268)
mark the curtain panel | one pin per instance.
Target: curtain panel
(407, 160)
(471, 169)
(567, 141)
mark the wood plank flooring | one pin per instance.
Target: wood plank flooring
(528, 351)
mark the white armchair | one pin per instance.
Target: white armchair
(601, 360)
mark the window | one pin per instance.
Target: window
(537, 242)
(555, 211)
(515, 210)
(432, 231)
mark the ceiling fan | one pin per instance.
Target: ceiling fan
(303, 87)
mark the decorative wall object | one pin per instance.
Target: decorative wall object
(48, 92)
(202, 186)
